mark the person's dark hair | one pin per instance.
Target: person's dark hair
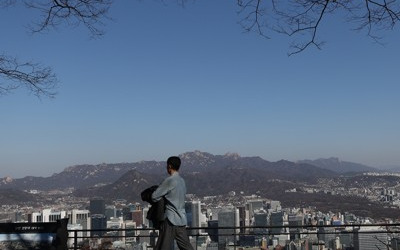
(174, 162)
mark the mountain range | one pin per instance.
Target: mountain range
(336, 165)
(205, 173)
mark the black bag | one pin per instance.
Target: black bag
(156, 212)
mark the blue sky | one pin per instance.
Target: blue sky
(165, 80)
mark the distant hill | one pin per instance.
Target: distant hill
(13, 197)
(338, 166)
(74, 176)
(129, 186)
(199, 162)
(220, 181)
(208, 174)
(85, 176)
(80, 176)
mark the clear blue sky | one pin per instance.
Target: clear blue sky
(165, 80)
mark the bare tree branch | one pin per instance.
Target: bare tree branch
(90, 13)
(301, 19)
(298, 19)
(39, 80)
(253, 13)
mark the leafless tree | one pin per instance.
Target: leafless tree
(90, 13)
(299, 19)
(302, 19)
(38, 79)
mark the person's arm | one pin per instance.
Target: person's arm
(166, 186)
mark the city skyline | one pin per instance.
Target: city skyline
(165, 80)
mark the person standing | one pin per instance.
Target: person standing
(173, 189)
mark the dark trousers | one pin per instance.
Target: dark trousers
(169, 233)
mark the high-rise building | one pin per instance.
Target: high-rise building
(364, 239)
(128, 209)
(188, 210)
(127, 213)
(295, 220)
(97, 206)
(137, 217)
(244, 218)
(129, 235)
(254, 205)
(98, 222)
(276, 220)
(260, 222)
(35, 217)
(196, 214)
(212, 230)
(47, 215)
(80, 217)
(228, 217)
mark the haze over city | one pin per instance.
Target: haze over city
(166, 79)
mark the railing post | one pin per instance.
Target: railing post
(234, 237)
(76, 240)
(352, 229)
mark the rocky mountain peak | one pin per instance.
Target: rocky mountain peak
(234, 156)
(7, 180)
(198, 158)
(196, 155)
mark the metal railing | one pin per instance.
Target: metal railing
(348, 236)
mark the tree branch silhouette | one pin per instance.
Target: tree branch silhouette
(302, 19)
(41, 80)
(90, 13)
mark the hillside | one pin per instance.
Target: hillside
(85, 176)
(338, 166)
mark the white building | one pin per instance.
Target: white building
(80, 217)
(47, 215)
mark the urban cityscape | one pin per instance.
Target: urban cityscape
(296, 100)
(230, 221)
